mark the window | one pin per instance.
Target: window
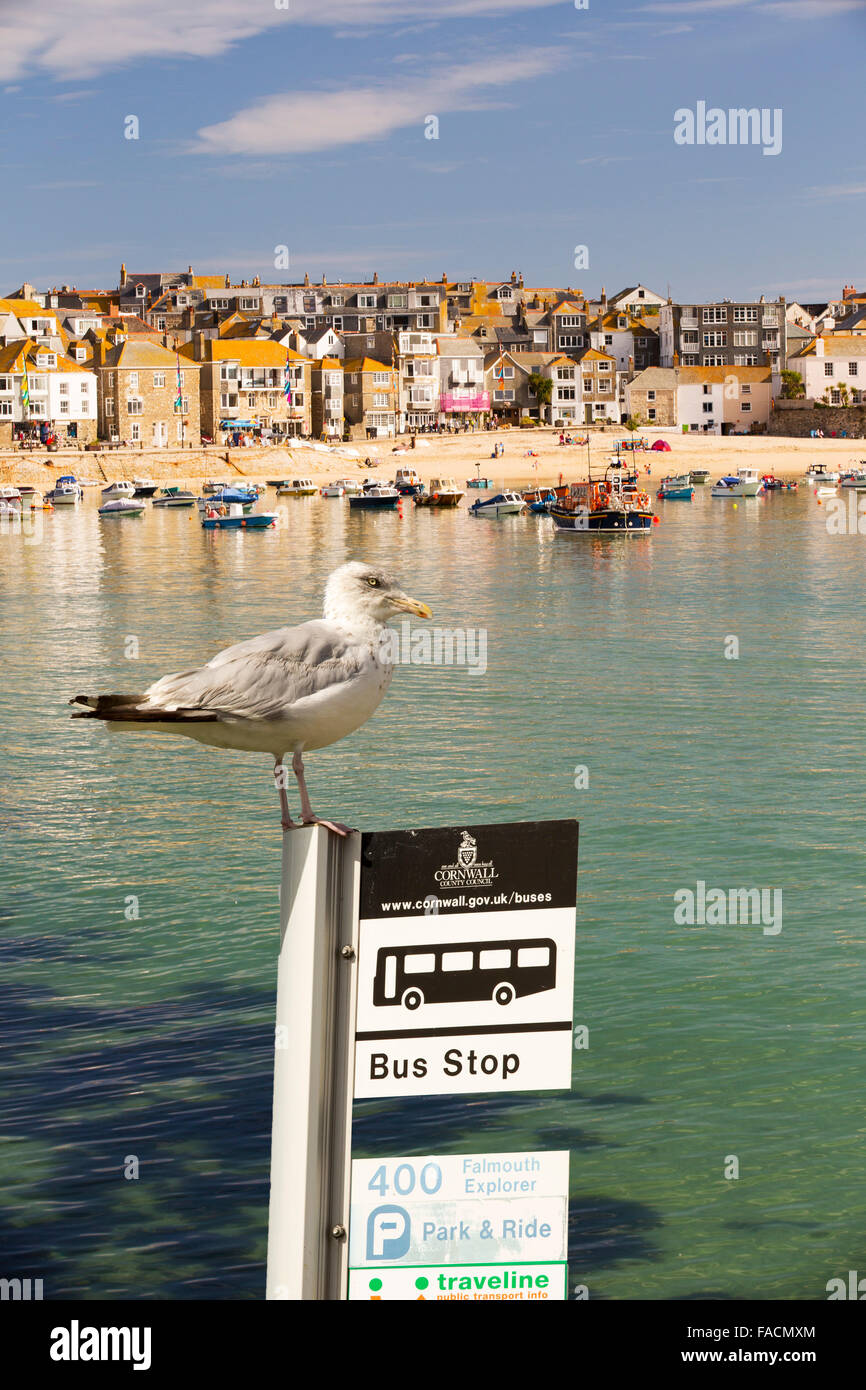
(650, 395)
(366, 301)
(503, 395)
(746, 390)
(135, 431)
(715, 340)
(571, 340)
(85, 388)
(457, 960)
(507, 371)
(745, 315)
(380, 378)
(570, 321)
(249, 303)
(716, 313)
(183, 407)
(708, 390)
(691, 337)
(5, 383)
(565, 373)
(132, 381)
(64, 388)
(688, 360)
(651, 413)
(745, 359)
(836, 396)
(708, 407)
(715, 360)
(608, 340)
(566, 393)
(745, 407)
(530, 956)
(133, 407)
(494, 960)
(64, 407)
(828, 368)
(158, 380)
(745, 339)
(587, 385)
(5, 407)
(109, 405)
(852, 368)
(111, 378)
(380, 398)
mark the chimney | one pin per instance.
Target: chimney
(189, 270)
(228, 281)
(444, 278)
(375, 277)
(307, 281)
(520, 280)
(848, 292)
(819, 346)
(123, 276)
(324, 282)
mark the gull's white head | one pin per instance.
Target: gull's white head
(358, 595)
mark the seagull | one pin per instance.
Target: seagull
(287, 691)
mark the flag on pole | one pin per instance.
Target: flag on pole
(25, 388)
(287, 384)
(178, 404)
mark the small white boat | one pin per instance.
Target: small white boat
(144, 487)
(119, 489)
(213, 485)
(11, 496)
(66, 492)
(333, 490)
(825, 492)
(351, 486)
(121, 506)
(376, 495)
(855, 478)
(817, 473)
(174, 497)
(503, 504)
(746, 482)
(297, 487)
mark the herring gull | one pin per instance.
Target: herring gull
(291, 690)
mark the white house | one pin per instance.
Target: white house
(827, 365)
(62, 394)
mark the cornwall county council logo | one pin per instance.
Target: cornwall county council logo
(467, 872)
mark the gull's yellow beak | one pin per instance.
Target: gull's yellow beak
(411, 605)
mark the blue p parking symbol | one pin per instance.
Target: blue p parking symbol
(389, 1231)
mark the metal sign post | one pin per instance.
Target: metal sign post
(313, 1066)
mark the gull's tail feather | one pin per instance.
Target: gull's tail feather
(134, 709)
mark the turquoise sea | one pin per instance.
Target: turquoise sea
(138, 885)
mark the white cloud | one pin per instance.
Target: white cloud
(298, 122)
(780, 9)
(94, 35)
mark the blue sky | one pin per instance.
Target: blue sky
(302, 123)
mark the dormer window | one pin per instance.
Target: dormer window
(46, 359)
(140, 291)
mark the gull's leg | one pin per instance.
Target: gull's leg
(308, 815)
(280, 779)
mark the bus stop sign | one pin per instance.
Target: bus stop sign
(466, 959)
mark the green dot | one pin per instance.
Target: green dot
(422, 1283)
(375, 1285)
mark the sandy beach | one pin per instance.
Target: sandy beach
(530, 456)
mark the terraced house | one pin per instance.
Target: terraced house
(60, 396)
(138, 395)
(243, 387)
(370, 398)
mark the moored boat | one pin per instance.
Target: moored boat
(442, 492)
(122, 506)
(817, 473)
(333, 490)
(144, 487)
(854, 478)
(66, 491)
(677, 488)
(297, 487)
(699, 475)
(174, 497)
(594, 506)
(12, 497)
(118, 489)
(480, 482)
(407, 482)
(376, 496)
(227, 497)
(234, 518)
(746, 482)
(502, 504)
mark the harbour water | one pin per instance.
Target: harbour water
(138, 884)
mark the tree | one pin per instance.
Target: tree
(542, 388)
(793, 387)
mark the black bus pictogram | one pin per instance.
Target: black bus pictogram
(464, 972)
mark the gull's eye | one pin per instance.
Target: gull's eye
(373, 581)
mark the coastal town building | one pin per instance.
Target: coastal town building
(144, 398)
(418, 380)
(833, 368)
(706, 400)
(43, 393)
(463, 396)
(326, 403)
(370, 398)
(243, 387)
(727, 333)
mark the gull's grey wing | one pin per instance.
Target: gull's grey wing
(265, 676)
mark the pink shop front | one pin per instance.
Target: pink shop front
(464, 407)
